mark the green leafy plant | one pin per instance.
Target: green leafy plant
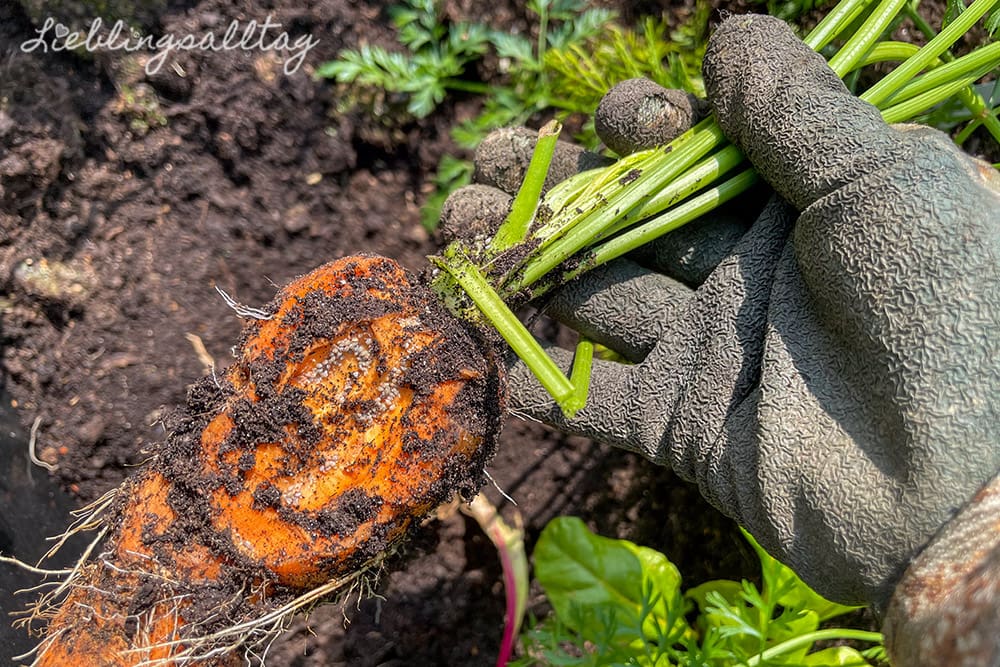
(569, 71)
(953, 8)
(584, 71)
(616, 603)
(575, 64)
(578, 53)
(435, 59)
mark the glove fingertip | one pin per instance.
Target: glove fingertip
(502, 159)
(637, 114)
(503, 156)
(473, 211)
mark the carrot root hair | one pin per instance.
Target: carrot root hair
(251, 636)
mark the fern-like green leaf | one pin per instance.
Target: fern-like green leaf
(469, 40)
(344, 70)
(993, 22)
(566, 10)
(514, 47)
(583, 27)
(952, 9)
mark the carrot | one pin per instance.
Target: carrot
(356, 407)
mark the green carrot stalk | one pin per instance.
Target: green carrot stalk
(934, 48)
(515, 227)
(974, 102)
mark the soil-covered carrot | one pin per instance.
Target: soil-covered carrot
(355, 407)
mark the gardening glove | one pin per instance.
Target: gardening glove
(834, 383)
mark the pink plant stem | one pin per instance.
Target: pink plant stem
(510, 591)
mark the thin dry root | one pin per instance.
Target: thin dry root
(88, 519)
(256, 635)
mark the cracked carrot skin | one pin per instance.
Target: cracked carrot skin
(354, 410)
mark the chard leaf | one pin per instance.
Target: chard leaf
(602, 587)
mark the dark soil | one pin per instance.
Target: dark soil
(125, 199)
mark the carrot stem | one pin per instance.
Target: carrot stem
(489, 303)
(616, 201)
(911, 107)
(970, 97)
(976, 64)
(835, 22)
(887, 52)
(896, 79)
(862, 41)
(515, 227)
(669, 220)
(583, 362)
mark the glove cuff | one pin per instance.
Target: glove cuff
(946, 608)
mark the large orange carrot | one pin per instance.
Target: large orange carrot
(354, 409)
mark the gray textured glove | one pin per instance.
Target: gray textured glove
(834, 383)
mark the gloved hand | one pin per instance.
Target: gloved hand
(834, 383)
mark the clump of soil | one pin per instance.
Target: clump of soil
(126, 198)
